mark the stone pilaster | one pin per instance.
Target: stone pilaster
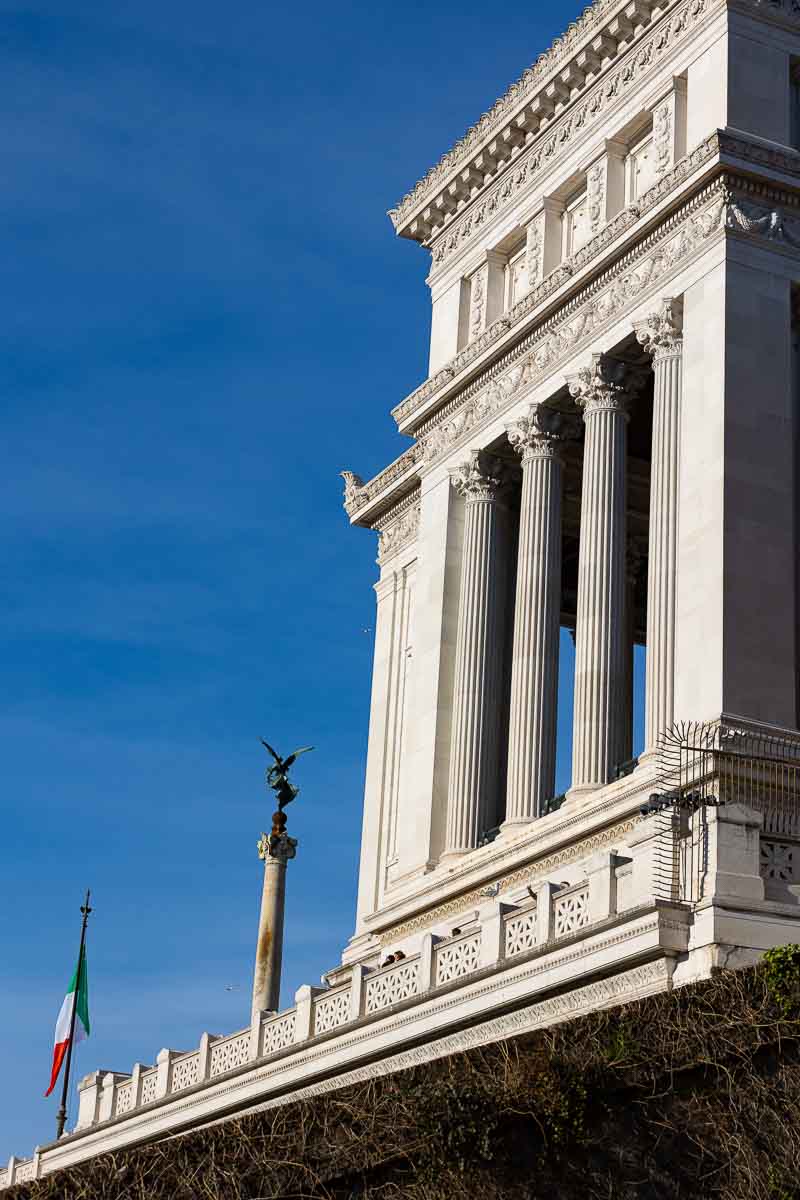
(603, 391)
(661, 335)
(534, 674)
(474, 762)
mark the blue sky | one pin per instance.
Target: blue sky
(207, 316)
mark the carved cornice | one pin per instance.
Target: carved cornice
(654, 195)
(353, 484)
(719, 143)
(740, 205)
(482, 477)
(537, 355)
(528, 106)
(661, 333)
(361, 494)
(563, 132)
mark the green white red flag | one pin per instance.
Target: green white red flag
(77, 1000)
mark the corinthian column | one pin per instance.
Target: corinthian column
(603, 391)
(534, 672)
(474, 758)
(661, 335)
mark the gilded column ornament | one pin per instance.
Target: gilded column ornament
(603, 390)
(538, 439)
(474, 758)
(661, 335)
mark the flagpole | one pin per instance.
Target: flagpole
(61, 1118)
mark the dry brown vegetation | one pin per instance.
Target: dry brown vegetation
(689, 1094)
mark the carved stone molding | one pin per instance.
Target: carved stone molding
(606, 385)
(662, 136)
(581, 848)
(482, 477)
(401, 529)
(562, 132)
(747, 211)
(363, 493)
(596, 196)
(538, 355)
(661, 333)
(353, 484)
(594, 247)
(515, 110)
(626, 986)
(540, 432)
(768, 222)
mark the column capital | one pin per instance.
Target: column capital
(661, 333)
(606, 385)
(483, 476)
(540, 432)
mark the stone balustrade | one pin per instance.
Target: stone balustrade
(506, 934)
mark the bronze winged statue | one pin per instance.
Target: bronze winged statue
(278, 775)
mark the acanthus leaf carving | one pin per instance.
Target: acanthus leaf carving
(661, 332)
(482, 477)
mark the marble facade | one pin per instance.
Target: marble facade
(607, 442)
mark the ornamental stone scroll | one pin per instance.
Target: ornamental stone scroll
(483, 476)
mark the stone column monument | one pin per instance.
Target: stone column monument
(275, 851)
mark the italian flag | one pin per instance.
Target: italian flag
(77, 1001)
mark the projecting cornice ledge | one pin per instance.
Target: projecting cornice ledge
(557, 97)
(418, 409)
(735, 186)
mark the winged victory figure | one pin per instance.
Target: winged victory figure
(278, 775)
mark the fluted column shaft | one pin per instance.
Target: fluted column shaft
(603, 392)
(537, 613)
(661, 336)
(474, 756)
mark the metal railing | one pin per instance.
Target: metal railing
(705, 765)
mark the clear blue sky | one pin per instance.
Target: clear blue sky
(207, 316)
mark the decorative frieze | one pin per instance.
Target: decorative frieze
(713, 145)
(561, 133)
(577, 323)
(769, 222)
(359, 494)
(620, 287)
(398, 529)
(586, 94)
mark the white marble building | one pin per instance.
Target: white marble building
(607, 442)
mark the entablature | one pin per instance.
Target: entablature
(415, 414)
(525, 112)
(529, 114)
(733, 185)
